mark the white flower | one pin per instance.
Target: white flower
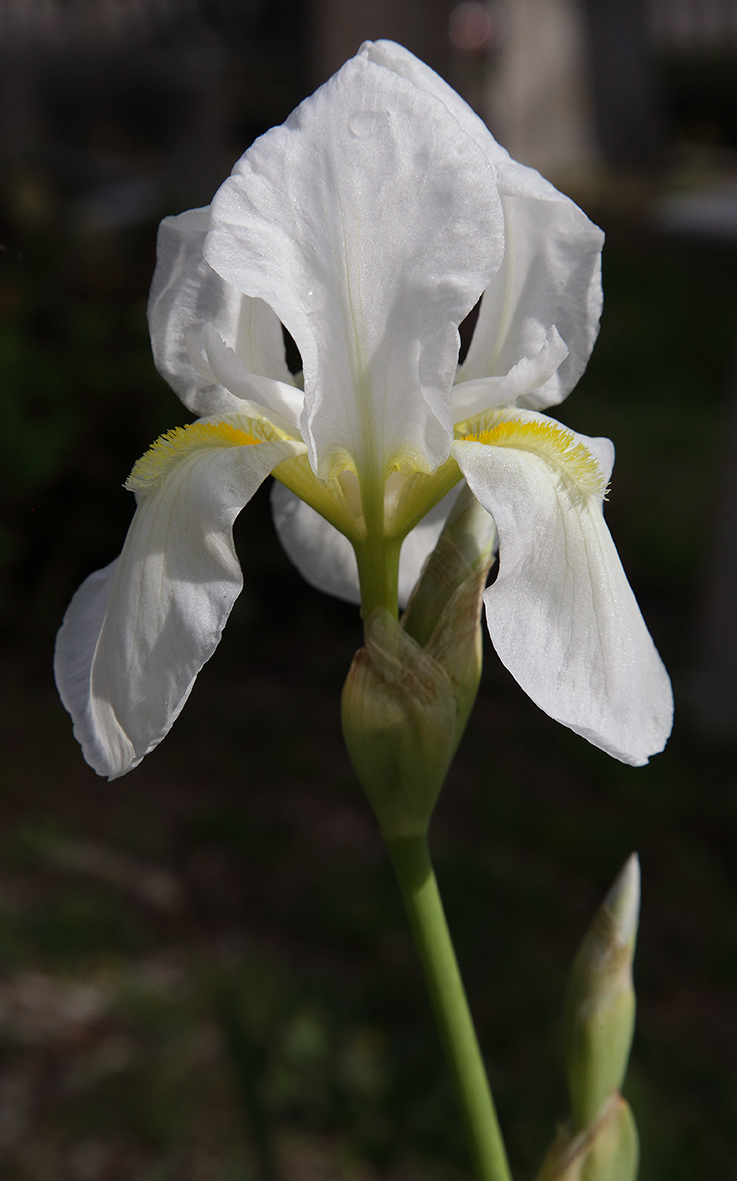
(369, 225)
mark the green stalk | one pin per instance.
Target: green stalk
(378, 570)
(411, 859)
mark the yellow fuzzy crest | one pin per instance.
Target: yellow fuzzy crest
(178, 443)
(550, 441)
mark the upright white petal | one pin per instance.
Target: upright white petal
(561, 613)
(282, 400)
(525, 379)
(395, 57)
(551, 275)
(186, 295)
(550, 278)
(371, 224)
(137, 633)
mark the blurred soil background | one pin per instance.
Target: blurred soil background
(205, 972)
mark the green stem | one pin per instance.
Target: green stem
(378, 570)
(411, 860)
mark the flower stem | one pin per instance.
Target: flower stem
(378, 568)
(411, 859)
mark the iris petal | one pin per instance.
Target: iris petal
(551, 274)
(137, 633)
(186, 294)
(561, 613)
(371, 226)
(551, 277)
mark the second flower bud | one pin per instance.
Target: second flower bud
(411, 687)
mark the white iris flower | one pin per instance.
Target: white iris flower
(369, 225)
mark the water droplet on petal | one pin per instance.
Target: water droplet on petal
(315, 299)
(367, 123)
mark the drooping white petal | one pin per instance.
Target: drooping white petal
(325, 558)
(551, 275)
(525, 378)
(186, 294)
(561, 613)
(371, 224)
(137, 633)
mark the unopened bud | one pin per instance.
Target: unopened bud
(465, 546)
(600, 1005)
(410, 689)
(607, 1150)
(399, 720)
(444, 612)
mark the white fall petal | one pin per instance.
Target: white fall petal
(561, 613)
(137, 633)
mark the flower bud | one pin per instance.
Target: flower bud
(607, 1150)
(600, 1005)
(411, 687)
(464, 547)
(443, 614)
(399, 722)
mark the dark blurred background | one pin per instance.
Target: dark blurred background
(204, 968)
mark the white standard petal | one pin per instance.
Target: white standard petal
(371, 224)
(550, 277)
(284, 402)
(325, 558)
(561, 613)
(395, 57)
(186, 294)
(137, 633)
(525, 378)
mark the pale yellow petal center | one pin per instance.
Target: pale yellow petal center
(180, 442)
(550, 441)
